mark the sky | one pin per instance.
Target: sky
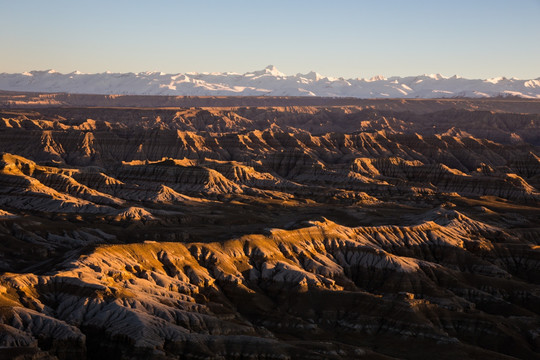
(341, 38)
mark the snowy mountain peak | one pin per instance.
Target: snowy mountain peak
(269, 81)
(497, 80)
(377, 78)
(435, 76)
(312, 75)
(272, 70)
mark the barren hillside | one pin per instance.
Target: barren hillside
(269, 228)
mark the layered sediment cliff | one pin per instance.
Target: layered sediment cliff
(284, 233)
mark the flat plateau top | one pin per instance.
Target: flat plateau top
(10, 99)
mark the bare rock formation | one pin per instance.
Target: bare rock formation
(292, 232)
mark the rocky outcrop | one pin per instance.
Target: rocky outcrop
(274, 147)
(240, 297)
(268, 233)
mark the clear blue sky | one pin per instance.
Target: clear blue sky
(350, 38)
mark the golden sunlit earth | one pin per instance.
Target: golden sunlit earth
(136, 227)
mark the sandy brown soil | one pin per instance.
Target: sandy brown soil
(277, 230)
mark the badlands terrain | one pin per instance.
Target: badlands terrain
(268, 228)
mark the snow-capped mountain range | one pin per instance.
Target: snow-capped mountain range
(269, 82)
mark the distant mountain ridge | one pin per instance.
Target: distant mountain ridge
(267, 82)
